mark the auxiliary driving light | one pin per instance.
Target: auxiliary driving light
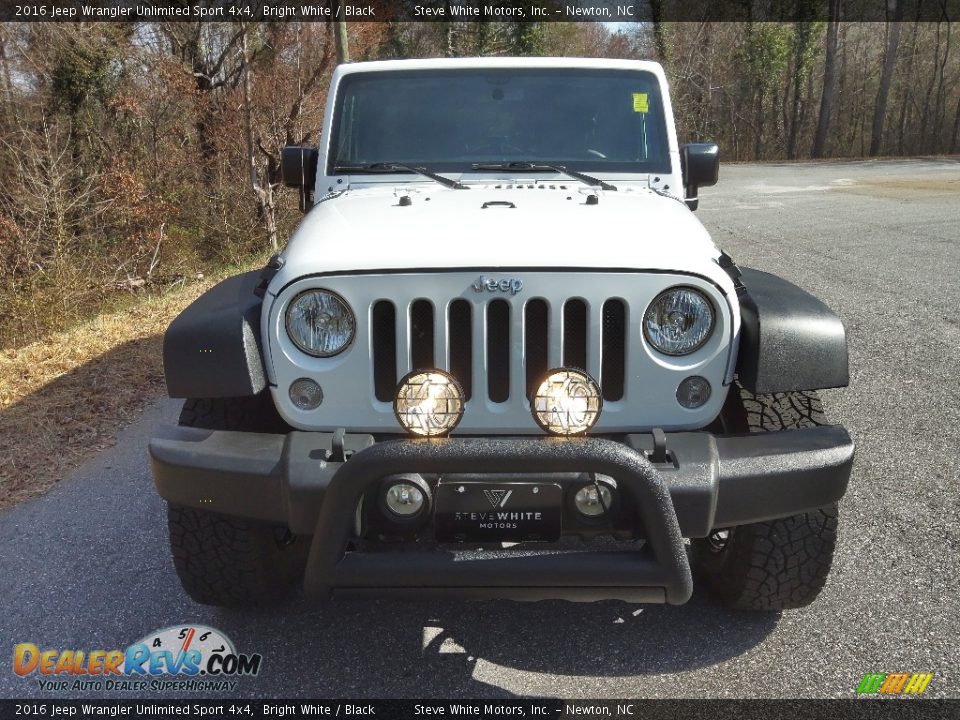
(428, 402)
(567, 402)
(306, 394)
(405, 496)
(588, 500)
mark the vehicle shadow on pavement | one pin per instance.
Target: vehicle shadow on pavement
(72, 410)
(383, 648)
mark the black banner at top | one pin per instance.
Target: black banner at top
(478, 10)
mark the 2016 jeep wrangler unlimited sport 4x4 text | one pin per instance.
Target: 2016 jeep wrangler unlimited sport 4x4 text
(500, 357)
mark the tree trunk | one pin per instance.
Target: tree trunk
(262, 190)
(829, 80)
(907, 85)
(659, 35)
(803, 41)
(5, 73)
(449, 49)
(928, 132)
(889, 61)
(758, 125)
(343, 45)
(794, 116)
(940, 106)
(956, 129)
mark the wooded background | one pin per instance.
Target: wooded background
(135, 156)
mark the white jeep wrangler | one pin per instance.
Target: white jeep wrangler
(501, 343)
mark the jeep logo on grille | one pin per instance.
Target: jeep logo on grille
(510, 285)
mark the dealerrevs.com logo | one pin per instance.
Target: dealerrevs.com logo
(176, 658)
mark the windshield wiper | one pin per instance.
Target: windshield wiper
(394, 167)
(545, 167)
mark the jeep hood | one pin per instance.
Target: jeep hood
(503, 224)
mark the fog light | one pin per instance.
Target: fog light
(567, 402)
(405, 496)
(428, 402)
(588, 501)
(693, 392)
(404, 500)
(306, 394)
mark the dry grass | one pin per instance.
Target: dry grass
(937, 184)
(62, 399)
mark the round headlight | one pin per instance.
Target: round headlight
(320, 323)
(568, 402)
(428, 402)
(679, 321)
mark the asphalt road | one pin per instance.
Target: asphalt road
(87, 565)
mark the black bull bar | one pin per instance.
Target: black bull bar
(658, 573)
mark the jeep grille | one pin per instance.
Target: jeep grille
(488, 327)
(499, 344)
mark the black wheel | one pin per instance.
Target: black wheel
(225, 560)
(777, 564)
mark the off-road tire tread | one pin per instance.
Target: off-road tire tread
(782, 411)
(778, 564)
(255, 413)
(225, 560)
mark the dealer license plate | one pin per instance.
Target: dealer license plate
(498, 512)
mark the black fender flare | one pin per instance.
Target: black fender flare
(212, 349)
(789, 340)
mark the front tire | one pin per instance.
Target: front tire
(777, 564)
(230, 561)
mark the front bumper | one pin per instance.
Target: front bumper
(705, 482)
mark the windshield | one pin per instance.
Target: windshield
(599, 120)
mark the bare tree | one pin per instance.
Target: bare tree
(659, 34)
(208, 53)
(829, 80)
(889, 61)
(906, 89)
(804, 39)
(280, 112)
(261, 186)
(343, 43)
(940, 109)
(5, 72)
(956, 129)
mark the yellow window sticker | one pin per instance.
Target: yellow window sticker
(640, 104)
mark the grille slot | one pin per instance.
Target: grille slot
(383, 326)
(575, 334)
(614, 349)
(461, 345)
(421, 335)
(498, 351)
(536, 337)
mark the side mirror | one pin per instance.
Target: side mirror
(700, 165)
(298, 167)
